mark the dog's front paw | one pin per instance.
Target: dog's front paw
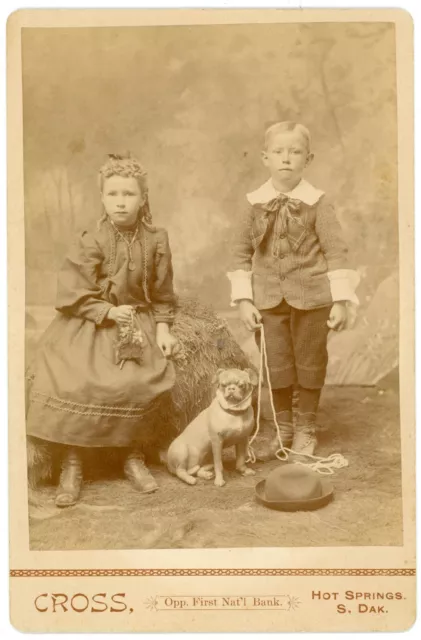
(219, 482)
(246, 471)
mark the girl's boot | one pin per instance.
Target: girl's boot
(137, 472)
(71, 478)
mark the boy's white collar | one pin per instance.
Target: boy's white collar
(304, 191)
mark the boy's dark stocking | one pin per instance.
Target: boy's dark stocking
(308, 400)
(282, 400)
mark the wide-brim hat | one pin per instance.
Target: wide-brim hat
(294, 487)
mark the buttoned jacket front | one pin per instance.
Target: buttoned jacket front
(297, 274)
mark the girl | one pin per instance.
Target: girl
(102, 366)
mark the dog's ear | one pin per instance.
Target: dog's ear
(254, 379)
(215, 378)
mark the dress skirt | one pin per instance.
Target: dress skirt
(80, 395)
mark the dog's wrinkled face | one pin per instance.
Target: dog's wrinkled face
(235, 384)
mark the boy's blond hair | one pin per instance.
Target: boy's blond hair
(287, 125)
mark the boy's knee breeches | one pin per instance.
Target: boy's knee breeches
(296, 343)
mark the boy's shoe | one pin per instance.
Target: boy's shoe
(286, 432)
(304, 441)
(286, 429)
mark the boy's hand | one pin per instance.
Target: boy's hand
(249, 315)
(168, 343)
(121, 314)
(338, 316)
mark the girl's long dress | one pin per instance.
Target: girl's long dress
(80, 396)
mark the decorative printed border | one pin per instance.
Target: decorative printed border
(193, 573)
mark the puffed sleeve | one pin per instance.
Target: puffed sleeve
(78, 291)
(161, 289)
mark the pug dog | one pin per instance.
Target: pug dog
(229, 420)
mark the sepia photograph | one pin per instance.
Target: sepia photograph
(212, 286)
(211, 330)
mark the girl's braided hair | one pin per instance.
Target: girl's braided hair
(127, 166)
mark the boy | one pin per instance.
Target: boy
(290, 273)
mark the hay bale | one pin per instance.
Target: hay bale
(206, 345)
(39, 461)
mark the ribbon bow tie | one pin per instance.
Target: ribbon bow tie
(282, 203)
(291, 224)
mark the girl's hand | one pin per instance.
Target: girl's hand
(121, 314)
(249, 315)
(338, 316)
(168, 343)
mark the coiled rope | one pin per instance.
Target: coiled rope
(324, 466)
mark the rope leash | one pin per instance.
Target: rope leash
(324, 466)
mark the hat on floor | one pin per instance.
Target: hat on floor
(294, 487)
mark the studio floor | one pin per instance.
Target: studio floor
(361, 423)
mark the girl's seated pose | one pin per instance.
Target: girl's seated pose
(102, 366)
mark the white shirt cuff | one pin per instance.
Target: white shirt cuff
(241, 286)
(343, 283)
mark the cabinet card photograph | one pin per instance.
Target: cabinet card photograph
(211, 320)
